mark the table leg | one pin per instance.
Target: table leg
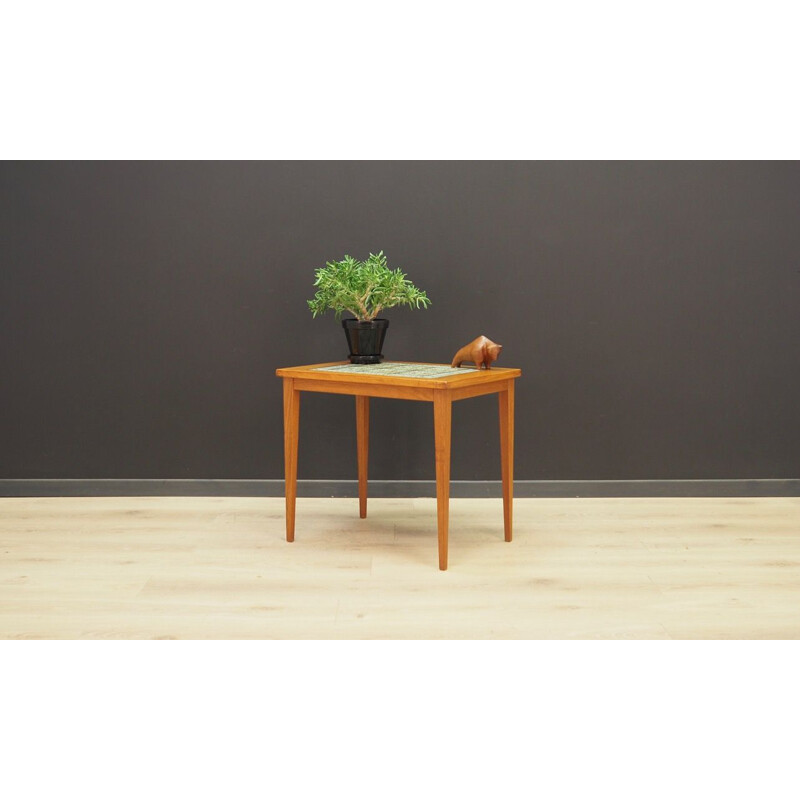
(442, 424)
(362, 445)
(506, 401)
(291, 430)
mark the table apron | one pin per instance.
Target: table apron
(364, 389)
(477, 389)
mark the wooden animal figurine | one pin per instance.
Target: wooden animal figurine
(482, 351)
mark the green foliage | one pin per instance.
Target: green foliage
(364, 288)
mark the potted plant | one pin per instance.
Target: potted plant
(364, 288)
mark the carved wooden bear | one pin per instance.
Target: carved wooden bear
(481, 351)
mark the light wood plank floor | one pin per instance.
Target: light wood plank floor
(219, 568)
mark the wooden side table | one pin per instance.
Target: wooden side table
(436, 383)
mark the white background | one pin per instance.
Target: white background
(399, 719)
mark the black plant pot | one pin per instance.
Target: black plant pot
(365, 339)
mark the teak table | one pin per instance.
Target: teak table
(436, 383)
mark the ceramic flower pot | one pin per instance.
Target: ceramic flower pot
(365, 340)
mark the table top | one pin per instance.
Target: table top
(399, 373)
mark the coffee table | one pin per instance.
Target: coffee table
(439, 384)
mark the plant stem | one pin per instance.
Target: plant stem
(363, 301)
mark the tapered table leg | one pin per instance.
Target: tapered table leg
(506, 401)
(291, 431)
(442, 423)
(362, 445)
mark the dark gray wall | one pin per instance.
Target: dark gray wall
(654, 309)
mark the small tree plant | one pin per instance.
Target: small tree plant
(364, 288)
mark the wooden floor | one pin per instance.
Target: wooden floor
(219, 568)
